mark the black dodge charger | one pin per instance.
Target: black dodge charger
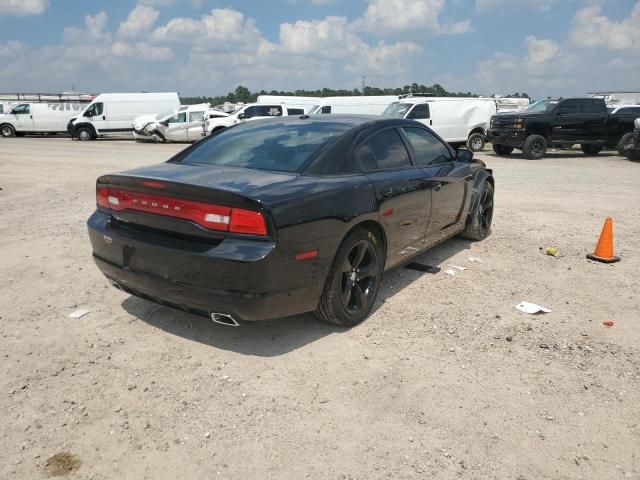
(284, 216)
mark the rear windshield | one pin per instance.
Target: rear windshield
(266, 145)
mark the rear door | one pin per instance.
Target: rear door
(22, 117)
(402, 198)
(194, 125)
(449, 182)
(577, 120)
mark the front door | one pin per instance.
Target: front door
(401, 195)
(176, 128)
(578, 120)
(449, 182)
(23, 119)
(97, 115)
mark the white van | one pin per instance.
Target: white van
(304, 105)
(458, 120)
(47, 117)
(252, 111)
(112, 113)
(359, 105)
(181, 125)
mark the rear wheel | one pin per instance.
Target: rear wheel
(589, 149)
(502, 149)
(7, 130)
(84, 134)
(353, 281)
(476, 142)
(625, 142)
(535, 146)
(633, 155)
(479, 225)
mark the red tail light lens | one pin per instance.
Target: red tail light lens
(207, 215)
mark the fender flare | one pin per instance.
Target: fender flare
(481, 177)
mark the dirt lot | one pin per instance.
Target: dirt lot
(445, 380)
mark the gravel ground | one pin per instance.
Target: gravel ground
(445, 380)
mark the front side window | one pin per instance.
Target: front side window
(21, 109)
(419, 112)
(196, 117)
(383, 151)
(570, 107)
(326, 109)
(178, 118)
(397, 110)
(427, 148)
(273, 146)
(94, 110)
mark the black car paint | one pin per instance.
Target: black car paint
(584, 128)
(183, 265)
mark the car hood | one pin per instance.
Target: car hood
(142, 121)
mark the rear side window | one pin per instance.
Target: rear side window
(263, 111)
(427, 148)
(594, 106)
(419, 112)
(629, 111)
(196, 117)
(295, 111)
(383, 151)
(326, 109)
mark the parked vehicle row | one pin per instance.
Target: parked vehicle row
(583, 121)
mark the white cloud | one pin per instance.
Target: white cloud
(487, 5)
(591, 29)
(540, 51)
(139, 21)
(23, 7)
(384, 16)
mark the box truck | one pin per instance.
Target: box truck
(114, 113)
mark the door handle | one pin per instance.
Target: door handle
(104, 117)
(430, 122)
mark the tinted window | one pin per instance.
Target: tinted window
(295, 111)
(265, 145)
(419, 112)
(593, 106)
(427, 148)
(326, 109)
(20, 109)
(629, 111)
(196, 117)
(383, 151)
(571, 107)
(263, 111)
(95, 110)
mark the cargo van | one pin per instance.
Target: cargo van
(214, 121)
(364, 105)
(49, 117)
(181, 125)
(113, 113)
(303, 104)
(458, 120)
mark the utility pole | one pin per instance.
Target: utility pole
(364, 78)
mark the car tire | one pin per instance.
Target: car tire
(479, 224)
(348, 296)
(502, 149)
(7, 130)
(633, 155)
(589, 149)
(85, 134)
(535, 147)
(625, 140)
(476, 142)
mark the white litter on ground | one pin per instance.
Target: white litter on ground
(462, 269)
(450, 272)
(531, 308)
(475, 260)
(81, 312)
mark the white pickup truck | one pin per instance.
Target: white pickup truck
(216, 120)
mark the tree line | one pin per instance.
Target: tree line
(244, 95)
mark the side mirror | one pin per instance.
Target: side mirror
(464, 156)
(242, 116)
(88, 114)
(165, 123)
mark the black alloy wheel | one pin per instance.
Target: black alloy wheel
(354, 279)
(359, 271)
(479, 224)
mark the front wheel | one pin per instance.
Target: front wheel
(353, 281)
(84, 134)
(589, 149)
(476, 142)
(534, 148)
(502, 149)
(479, 224)
(7, 130)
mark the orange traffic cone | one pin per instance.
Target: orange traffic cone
(604, 249)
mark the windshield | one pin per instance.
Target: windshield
(542, 106)
(265, 145)
(397, 110)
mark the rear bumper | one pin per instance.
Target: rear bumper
(249, 280)
(511, 138)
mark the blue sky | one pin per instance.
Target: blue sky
(543, 47)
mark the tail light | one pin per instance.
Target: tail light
(207, 215)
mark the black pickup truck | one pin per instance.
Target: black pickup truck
(567, 121)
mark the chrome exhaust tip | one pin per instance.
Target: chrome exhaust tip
(224, 319)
